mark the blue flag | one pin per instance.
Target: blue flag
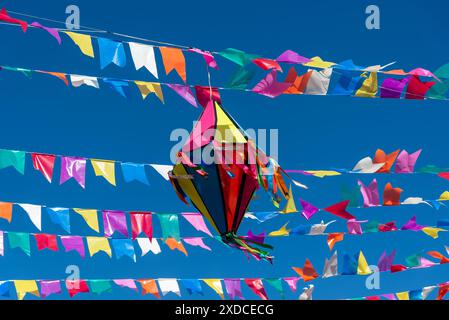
(111, 52)
(134, 172)
(192, 286)
(61, 217)
(123, 248)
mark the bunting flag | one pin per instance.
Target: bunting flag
(6, 18)
(11, 158)
(73, 167)
(257, 286)
(83, 41)
(34, 212)
(146, 88)
(111, 52)
(52, 31)
(105, 169)
(143, 56)
(79, 80)
(173, 59)
(114, 221)
(185, 92)
(45, 164)
(307, 272)
(208, 57)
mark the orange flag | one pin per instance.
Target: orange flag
(333, 238)
(388, 160)
(6, 211)
(173, 244)
(307, 272)
(299, 83)
(392, 196)
(437, 255)
(149, 286)
(173, 59)
(58, 75)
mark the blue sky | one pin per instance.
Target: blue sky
(43, 115)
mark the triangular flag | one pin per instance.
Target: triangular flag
(105, 169)
(215, 284)
(290, 207)
(339, 209)
(333, 238)
(307, 272)
(83, 41)
(256, 285)
(432, 232)
(283, 231)
(90, 216)
(362, 267)
(149, 286)
(111, 52)
(34, 213)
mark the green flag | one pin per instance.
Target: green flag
(352, 194)
(439, 89)
(170, 226)
(237, 56)
(100, 286)
(413, 260)
(370, 227)
(242, 77)
(16, 159)
(431, 169)
(19, 240)
(276, 283)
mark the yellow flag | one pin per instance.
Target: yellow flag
(83, 41)
(26, 286)
(90, 216)
(97, 244)
(317, 62)
(146, 88)
(215, 284)
(290, 207)
(281, 232)
(323, 173)
(403, 295)
(444, 196)
(369, 87)
(432, 232)
(105, 169)
(363, 267)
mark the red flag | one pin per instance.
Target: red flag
(397, 268)
(444, 175)
(339, 209)
(44, 163)
(5, 17)
(392, 196)
(203, 95)
(417, 89)
(76, 286)
(141, 222)
(257, 286)
(389, 226)
(46, 241)
(307, 272)
(442, 290)
(437, 255)
(267, 64)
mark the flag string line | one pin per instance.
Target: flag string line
(246, 90)
(161, 43)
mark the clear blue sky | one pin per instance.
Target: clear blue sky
(43, 115)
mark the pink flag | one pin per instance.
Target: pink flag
(405, 163)
(126, 283)
(292, 281)
(73, 243)
(269, 87)
(370, 194)
(185, 92)
(290, 56)
(73, 167)
(114, 221)
(257, 286)
(197, 221)
(308, 209)
(233, 288)
(196, 242)
(354, 226)
(52, 31)
(210, 60)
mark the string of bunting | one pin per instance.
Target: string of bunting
(312, 82)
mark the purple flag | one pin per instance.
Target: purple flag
(354, 226)
(405, 163)
(385, 261)
(308, 209)
(370, 194)
(185, 92)
(269, 87)
(257, 238)
(114, 221)
(73, 167)
(233, 288)
(73, 243)
(290, 56)
(392, 88)
(49, 287)
(412, 225)
(52, 31)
